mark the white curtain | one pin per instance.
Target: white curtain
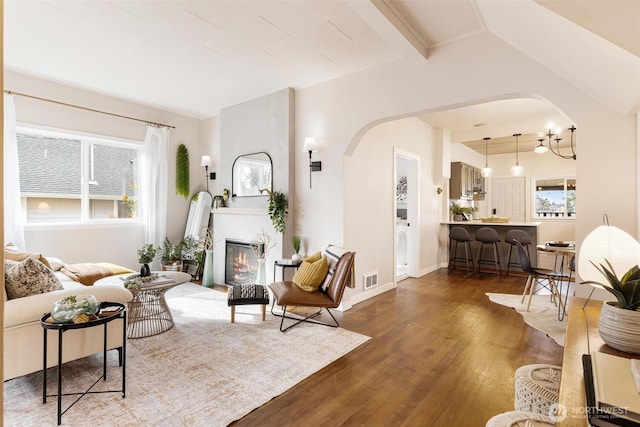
(13, 214)
(154, 183)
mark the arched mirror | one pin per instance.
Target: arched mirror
(251, 174)
(199, 212)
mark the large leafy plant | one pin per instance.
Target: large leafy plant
(277, 209)
(182, 171)
(626, 289)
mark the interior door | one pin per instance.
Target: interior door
(509, 198)
(407, 217)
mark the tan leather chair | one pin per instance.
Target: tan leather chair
(288, 294)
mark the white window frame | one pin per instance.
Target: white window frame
(87, 140)
(534, 191)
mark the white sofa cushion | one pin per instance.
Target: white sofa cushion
(31, 308)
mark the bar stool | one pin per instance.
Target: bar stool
(522, 237)
(488, 236)
(460, 235)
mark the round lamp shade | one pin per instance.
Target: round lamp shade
(610, 243)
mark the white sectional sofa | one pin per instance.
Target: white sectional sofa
(23, 333)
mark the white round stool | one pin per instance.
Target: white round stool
(520, 419)
(537, 387)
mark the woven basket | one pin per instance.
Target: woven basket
(537, 387)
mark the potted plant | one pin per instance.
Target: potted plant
(619, 324)
(171, 255)
(277, 209)
(458, 211)
(297, 244)
(145, 257)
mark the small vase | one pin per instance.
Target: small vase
(145, 270)
(296, 257)
(207, 272)
(261, 276)
(620, 328)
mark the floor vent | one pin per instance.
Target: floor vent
(370, 280)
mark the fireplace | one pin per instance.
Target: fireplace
(241, 261)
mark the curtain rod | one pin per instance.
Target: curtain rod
(88, 109)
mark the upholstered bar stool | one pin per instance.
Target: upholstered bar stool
(522, 237)
(488, 236)
(460, 235)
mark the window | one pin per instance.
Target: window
(66, 177)
(555, 198)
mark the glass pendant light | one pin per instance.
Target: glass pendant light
(517, 170)
(541, 149)
(486, 170)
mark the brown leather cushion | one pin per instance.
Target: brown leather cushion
(288, 293)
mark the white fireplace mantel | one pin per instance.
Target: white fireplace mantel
(242, 224)
(239, 211)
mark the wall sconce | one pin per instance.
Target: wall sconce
(205, 162)
(311, 145)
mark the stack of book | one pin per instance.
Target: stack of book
(613, 397)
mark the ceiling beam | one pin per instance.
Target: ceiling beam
(392, 27)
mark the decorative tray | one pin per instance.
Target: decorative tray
(559, 244)
(495, 219)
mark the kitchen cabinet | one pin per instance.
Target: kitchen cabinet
(466, 182)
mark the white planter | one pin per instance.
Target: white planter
(620, 329)
(296, 257)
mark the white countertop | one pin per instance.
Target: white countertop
(491, 224)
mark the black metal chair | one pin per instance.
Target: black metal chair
(538, 276)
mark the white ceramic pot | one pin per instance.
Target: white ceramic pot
(296, 257)
(620, 329)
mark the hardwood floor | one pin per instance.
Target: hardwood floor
(441, 354)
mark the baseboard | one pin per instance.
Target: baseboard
(370, 293)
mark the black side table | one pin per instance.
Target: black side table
(105, 307)
(284, 264)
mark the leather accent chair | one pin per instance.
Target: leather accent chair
(288, 294)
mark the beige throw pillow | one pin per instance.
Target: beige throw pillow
(30, 277)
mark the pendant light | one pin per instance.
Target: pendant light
(517, 170)
(540, 149)
(486, 170)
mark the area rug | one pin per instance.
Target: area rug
(205, 371)
(542, 315)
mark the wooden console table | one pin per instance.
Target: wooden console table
(582, 337)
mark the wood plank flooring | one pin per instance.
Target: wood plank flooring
(441, 354)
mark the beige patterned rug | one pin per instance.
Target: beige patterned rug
(542, 315)
(203, 372)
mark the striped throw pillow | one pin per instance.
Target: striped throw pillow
(333, 254)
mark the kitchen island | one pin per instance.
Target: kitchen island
(531, 228)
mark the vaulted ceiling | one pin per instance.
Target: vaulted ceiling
(196, 57)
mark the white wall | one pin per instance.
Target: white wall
(116, 244)
(341, 111)
(370, 183)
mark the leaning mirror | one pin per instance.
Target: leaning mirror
(252, 173)
(199, 212)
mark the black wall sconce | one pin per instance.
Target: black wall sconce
(311, 145)
(205, 162)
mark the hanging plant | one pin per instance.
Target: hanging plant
(182, 171)
(277, 209)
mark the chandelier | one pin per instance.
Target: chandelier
(555, 148)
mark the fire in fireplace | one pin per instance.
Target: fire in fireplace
(241, 261)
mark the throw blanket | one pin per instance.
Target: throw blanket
(89, 273)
